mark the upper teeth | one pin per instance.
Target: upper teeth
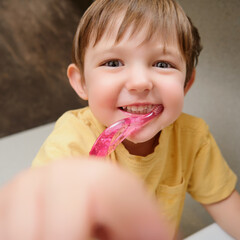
(138, 109)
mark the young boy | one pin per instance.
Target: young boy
(129, 57)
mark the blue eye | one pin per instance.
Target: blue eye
(162, 65)
(113, 63)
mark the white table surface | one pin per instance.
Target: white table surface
(211, 232)
(17, 151)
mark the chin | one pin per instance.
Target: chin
(140, 137)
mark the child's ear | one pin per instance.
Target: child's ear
(190, 82)
(77, 82)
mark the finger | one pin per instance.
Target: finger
(18, 208)
(126, 211)
(67, 198)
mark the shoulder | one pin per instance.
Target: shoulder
(73, 135)
(77, 114)
(190, 130)
(187, 122)
(190, 122)
(78, 120)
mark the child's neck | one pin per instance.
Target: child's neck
(142, 149)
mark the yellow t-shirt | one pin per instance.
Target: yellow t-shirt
(187, 159)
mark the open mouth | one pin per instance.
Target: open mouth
(138, 109)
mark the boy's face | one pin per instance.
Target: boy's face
(132, 78)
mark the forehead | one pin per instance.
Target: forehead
(117, 31)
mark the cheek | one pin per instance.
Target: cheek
(102, 94)
(102, 97)
(173, 96)
(97, 87)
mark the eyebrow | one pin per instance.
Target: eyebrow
(169, 51)
(163, 50)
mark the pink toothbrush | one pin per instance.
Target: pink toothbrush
(117, 132)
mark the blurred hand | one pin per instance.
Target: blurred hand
(77, 199)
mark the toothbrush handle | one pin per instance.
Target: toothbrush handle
(110, 138)
(117, 132)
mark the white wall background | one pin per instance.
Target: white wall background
(215, 95)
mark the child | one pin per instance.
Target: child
(129, 57)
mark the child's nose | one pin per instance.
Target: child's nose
(139, 81)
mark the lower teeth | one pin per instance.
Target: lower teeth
(136, 112)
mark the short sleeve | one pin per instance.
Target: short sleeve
(211, 180)
(69, 138)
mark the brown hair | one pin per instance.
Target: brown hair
(160, 16)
